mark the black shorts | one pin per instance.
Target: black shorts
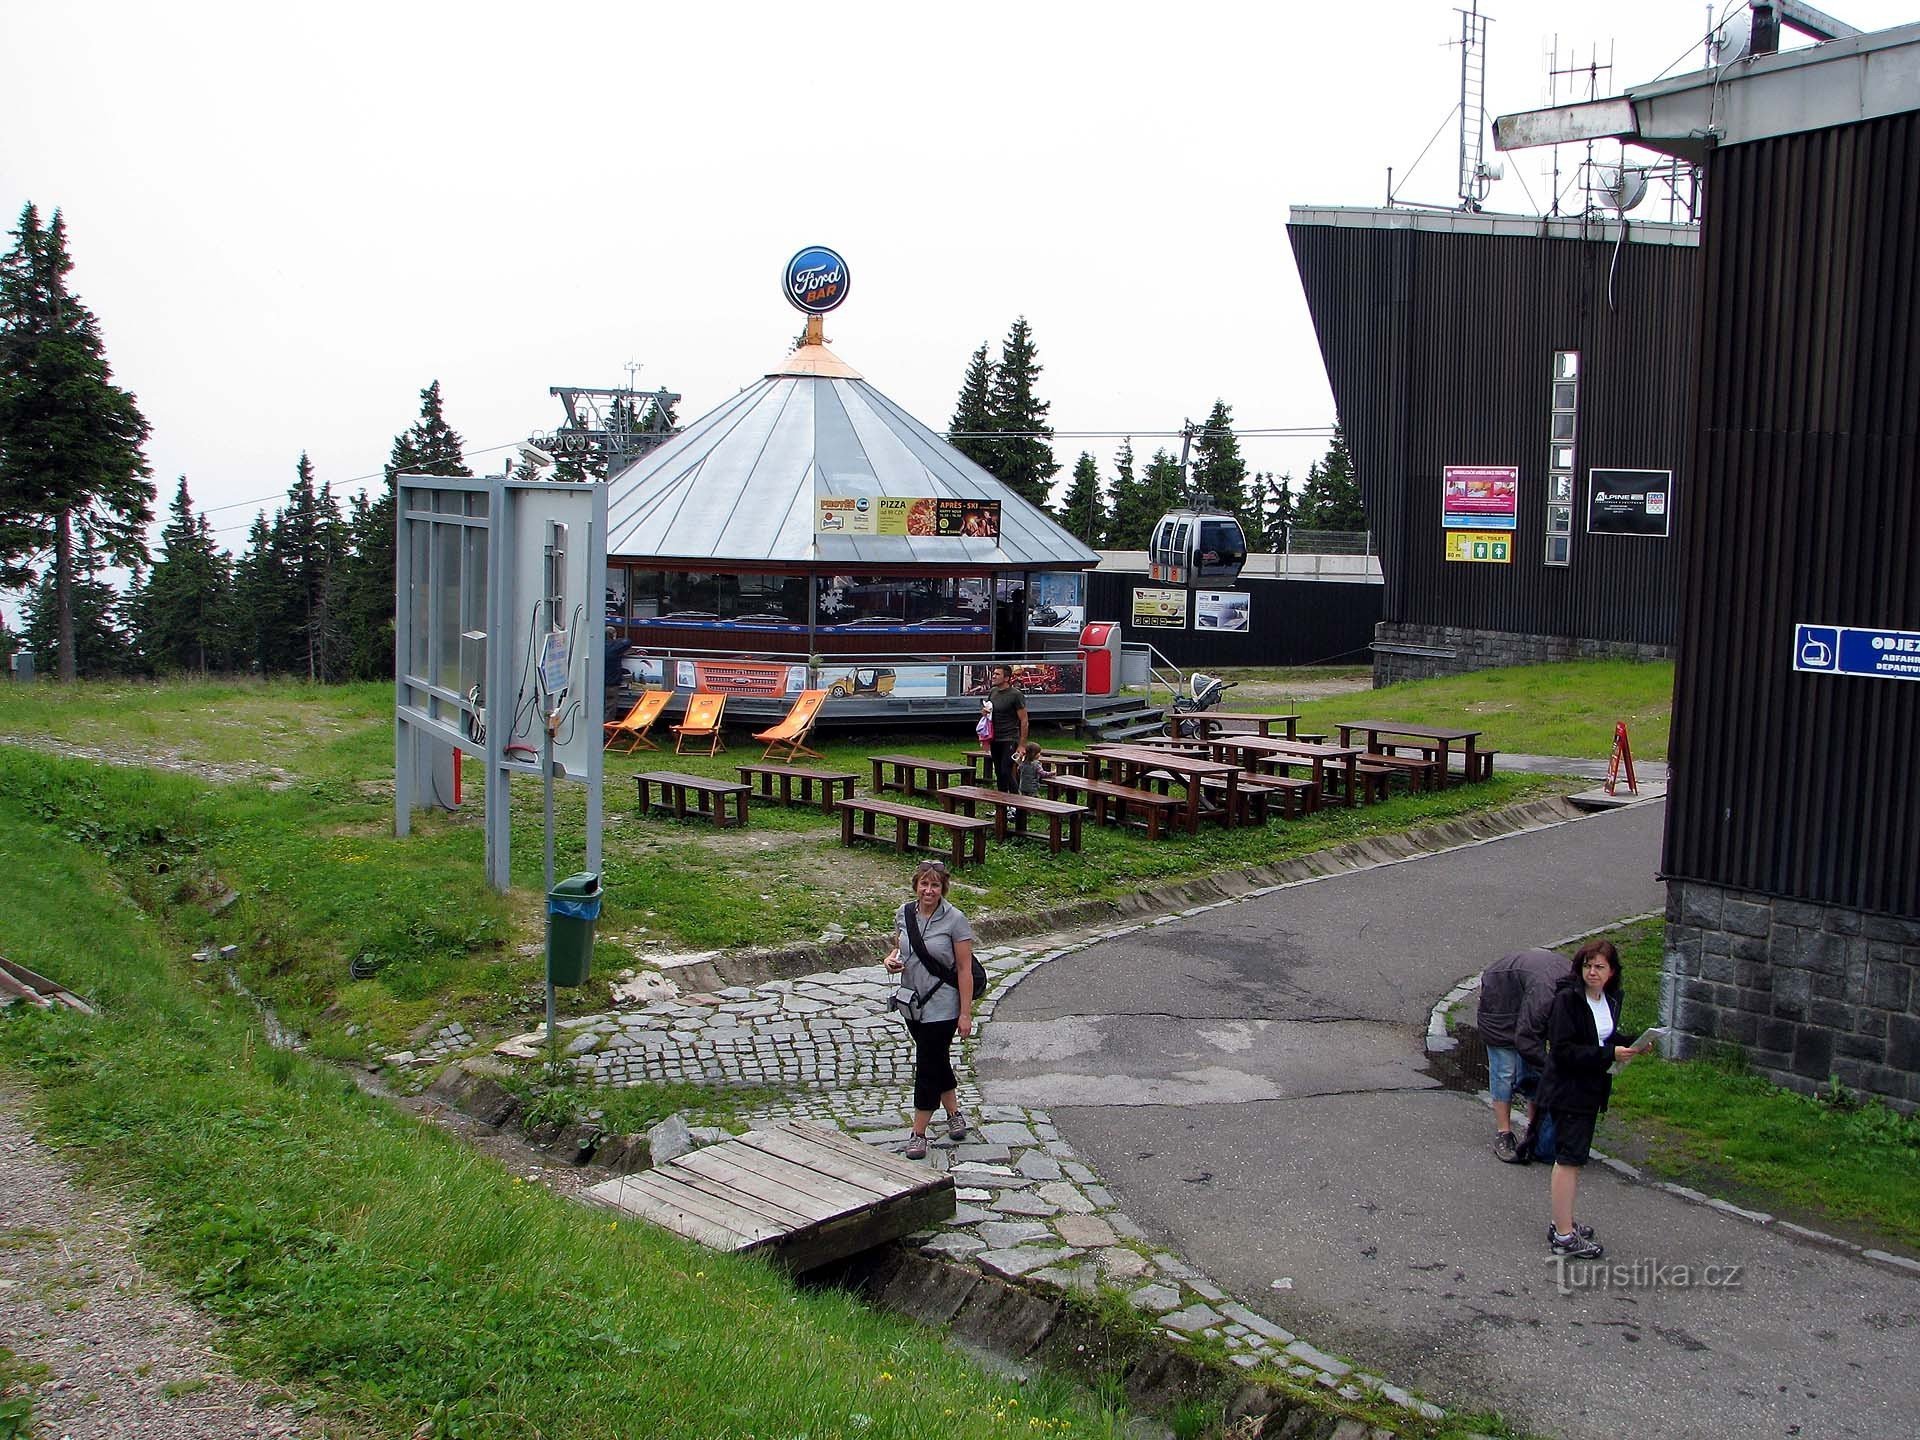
(1572, 1136)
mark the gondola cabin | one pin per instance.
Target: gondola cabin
(1197, 544)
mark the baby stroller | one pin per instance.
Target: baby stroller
(1201, 692)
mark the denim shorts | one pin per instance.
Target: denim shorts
(1506, 1069)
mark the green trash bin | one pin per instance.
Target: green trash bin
(572, 907)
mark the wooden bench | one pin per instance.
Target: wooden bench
(1104, 798)
(712, 795)
(1479, 764)
(1420, 772)
(968, 797)
(906, 771)
(799, 777)
(913, 827)
(1257, 793)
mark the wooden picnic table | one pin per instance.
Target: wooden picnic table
(903, 773)
(1251, 752)
(675, 787)
(1389, 737)
(1129, 763)
(1218, 722)
(1066, 762)
(799, 778)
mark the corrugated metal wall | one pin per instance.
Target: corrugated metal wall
(1804, 511)
(1439, 347)
(1291, 622)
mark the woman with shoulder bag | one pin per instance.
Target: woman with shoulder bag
(1583, 1044)
(936, 1006)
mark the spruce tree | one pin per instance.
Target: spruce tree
(1331, 497)
(365, 613)
(973, 412)
(1082, 512)
(1218, 469)
(1023, 459)
(71, 463)
(182, 613)
(1162, 486)
(82, 628)
(1133, 512)
(1276, 509)
(259, 603)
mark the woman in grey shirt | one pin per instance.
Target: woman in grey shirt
(940, 1009)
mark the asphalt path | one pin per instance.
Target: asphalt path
(1251, 1083)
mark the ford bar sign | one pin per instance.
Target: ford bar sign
(816, 280)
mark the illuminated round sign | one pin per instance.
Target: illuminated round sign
(816, 280)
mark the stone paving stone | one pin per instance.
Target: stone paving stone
(1078, 1278)
(1003, 1112)
(1173, 1265)
(1066, 1197)
(953, 1243)
(1005, 1234)
(1257, 1323)
(1319, 1359)
(1206, 1291)
(1192, 1320)
(975, 1197)
(1122, 1264)
(1244, 1360)
(970, 1151)
(1076, 1172)
(1155, 1298)
(1007, 1132)
(1100, 1196)
(1018, 1261)
(1084, 1231)
(1018, 1202)
(1036, 1165)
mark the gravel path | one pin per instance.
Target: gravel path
(124, 1355)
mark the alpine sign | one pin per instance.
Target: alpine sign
(816, 280)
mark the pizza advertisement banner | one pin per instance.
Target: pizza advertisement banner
(926, 517)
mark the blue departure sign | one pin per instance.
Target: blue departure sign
(1852, 650)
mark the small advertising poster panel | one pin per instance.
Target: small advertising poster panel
(1857, 650)
(1489, 547)
(944, 518)
(876, 682)
(1057, 600)
(1159, 609)
(1480, 497)
(744, 677)
(1225, 610)
(1630, 502)
(1030, 677)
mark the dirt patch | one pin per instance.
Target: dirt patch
(272, 776)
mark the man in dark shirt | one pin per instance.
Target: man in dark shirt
(1516, 994)
(1009, 726)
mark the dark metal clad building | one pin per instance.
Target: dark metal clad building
(1802, 784)
(1440, 333)
(1793, 826)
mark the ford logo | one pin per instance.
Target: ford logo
(816, 280)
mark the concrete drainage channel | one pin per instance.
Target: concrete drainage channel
(1019, 1273)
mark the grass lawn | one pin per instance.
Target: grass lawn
(1566, 709)
(1830, 1162)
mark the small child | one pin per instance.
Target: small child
(1033, 776)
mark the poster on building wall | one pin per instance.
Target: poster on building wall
(1485, 546)
(949, 518)
(1480, 497)
(1630, 502)
(1228, 611)
(874, 682)
(1030, 677)
(743, 677)
(1159, 609)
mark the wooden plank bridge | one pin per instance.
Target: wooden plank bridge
(804, 1195)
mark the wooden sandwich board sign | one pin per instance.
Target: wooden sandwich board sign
(1622, 755)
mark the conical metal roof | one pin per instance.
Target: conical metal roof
(739, 483)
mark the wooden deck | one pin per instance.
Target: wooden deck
(803, 1194)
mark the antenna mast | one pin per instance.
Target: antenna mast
(1475, 177)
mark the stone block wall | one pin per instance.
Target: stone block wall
(1449, 650)
(1809, 992)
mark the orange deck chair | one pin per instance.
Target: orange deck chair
(702, 722)
(788, 739)
(629, 732)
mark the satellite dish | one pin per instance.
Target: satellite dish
(1622, 186)
(1733, 40)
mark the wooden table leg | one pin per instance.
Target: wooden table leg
(846, 828)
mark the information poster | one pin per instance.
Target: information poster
(1486, 546)
(944, 518)
(742, 677)
(1159, 609)
(1480, 497)
(1223, 610)
(1630, 502)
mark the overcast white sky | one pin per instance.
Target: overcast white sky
(290, 219)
